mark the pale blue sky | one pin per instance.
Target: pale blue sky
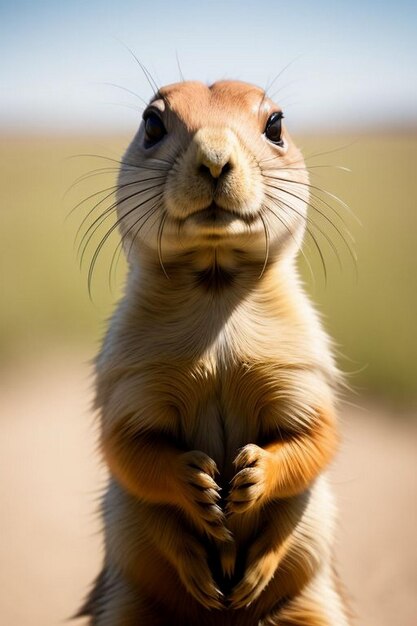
(353, 63)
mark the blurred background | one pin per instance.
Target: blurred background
(70, 102)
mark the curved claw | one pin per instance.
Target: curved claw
(210, 600)
(202, 494)
(256, 578)
(196, 576)
(248, 484)
(248, 456)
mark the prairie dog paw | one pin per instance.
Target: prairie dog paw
(196, 576)
(249, 484)
(201, 494)
(256, 578)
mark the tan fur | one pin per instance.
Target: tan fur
(215, 384)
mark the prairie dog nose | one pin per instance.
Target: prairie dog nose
(216, 150)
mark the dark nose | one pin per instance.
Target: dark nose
(215, 170)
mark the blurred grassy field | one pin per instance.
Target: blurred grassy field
(45, 302)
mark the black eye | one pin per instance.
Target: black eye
(273, 129)
(154, 129)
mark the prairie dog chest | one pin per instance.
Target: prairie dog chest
(209, 421)
(214, 379)
(224, 404)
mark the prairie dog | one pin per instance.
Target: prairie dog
(215, 383)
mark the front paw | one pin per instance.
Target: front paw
(257, 576)
(196, 576)
(201, 494)
(248, 487)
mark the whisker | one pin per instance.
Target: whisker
(85, 241)
(120, 162)
(131, 107)
(320, 230)
(287, 84)
(284, 69)
(106, 213)
(342, 168)
(309, 186)
(279, 203)
(320, 190)
(142, 67)
(114, 263)
(266, 246)
(124, 236)
(133, 93)
(149, 214)
(112, 189)
(179, 66)
(314, 155)
(160, 233)
(326, 217)
(286, 226)
(104, 239)
(106, 170)
(305, 168)
(145, 71)
(304, 158)
(310, 203)
(91, 174)
(279, 157)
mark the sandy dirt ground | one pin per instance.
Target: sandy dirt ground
(50, 481)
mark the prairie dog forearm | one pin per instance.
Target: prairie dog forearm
(145, 464)
(296, 462)
(153, 469)
(286, 465)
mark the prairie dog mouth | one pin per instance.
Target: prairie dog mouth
(214, 215)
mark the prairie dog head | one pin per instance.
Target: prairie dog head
(212, 168)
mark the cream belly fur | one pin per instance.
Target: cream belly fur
(215, 384)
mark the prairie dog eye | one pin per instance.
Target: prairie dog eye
(154, 128)
(273, 128)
